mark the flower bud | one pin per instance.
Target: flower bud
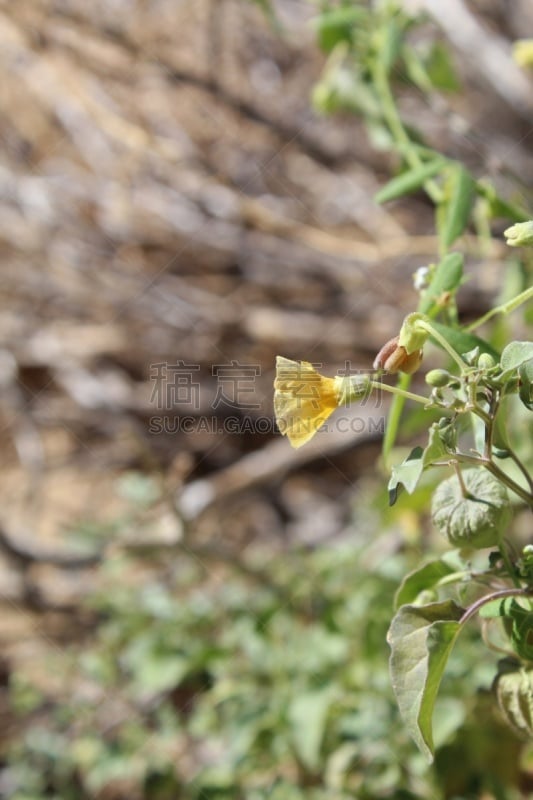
(486, 361)
(520, 235)
(438, 378)
(393, 357)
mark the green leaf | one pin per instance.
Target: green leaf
(416, 69)
(514, 356)
(440, 69)
(409, 181)
(453, 214)
(436, 446)
(407, 473)
(307, 718)
(342, 88)
(446, 278)
(421, 639)
(392, 39)
(522, 627)
(159, 673)
(420, 580)
(337, 25)
(462, 342)
(493, 610)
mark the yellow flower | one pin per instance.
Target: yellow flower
(303, 399)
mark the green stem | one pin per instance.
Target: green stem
(503, 441)
(464, 491)
(455, 577)
(476, 461)
(444, 344)
(489, 423)
(396, 127)
(504, 308)
(394, 417)
(524, 495)
(521, 467)
(418, 398)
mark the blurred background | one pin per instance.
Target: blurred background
(189, 608)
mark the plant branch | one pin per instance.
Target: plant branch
(488, 598)
(504, 308)
(502, 476)
(396, 127)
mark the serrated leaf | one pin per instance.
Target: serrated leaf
(446, 278)
(421, 639)
(407, 473)
(307, 717)
(514, 356)
(453, 214)
(409, 181)
(421, 579)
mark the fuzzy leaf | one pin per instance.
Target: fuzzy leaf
(407, 473)
(421, 639)
(515, 355)
(420, 580)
